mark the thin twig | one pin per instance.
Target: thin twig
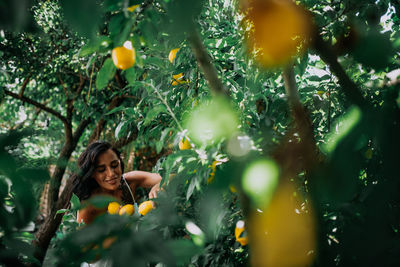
(167, 106)
(327, 54)
(90, 83)
(204, 60)
(39, 105)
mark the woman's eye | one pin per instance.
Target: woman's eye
(100, 170)
(114, 165)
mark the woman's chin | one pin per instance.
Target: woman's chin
(110, 186)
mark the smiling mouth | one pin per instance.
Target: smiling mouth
(111, 181)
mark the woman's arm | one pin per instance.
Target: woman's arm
(145, 179)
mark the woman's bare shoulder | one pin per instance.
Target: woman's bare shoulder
(88, 213)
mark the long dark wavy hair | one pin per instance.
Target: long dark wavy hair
(84, 183)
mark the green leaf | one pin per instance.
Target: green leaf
(105, 74)
(114, 110)
(375, 50)
(343, 127)
(62, 211)
(101, 201)
(121, 129)
(190, 189)
(130, 75)
(153, 114)
(95, 45)
(75, 203)
(183, 250)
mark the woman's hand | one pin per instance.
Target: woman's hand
(146, 180)
(154, 190)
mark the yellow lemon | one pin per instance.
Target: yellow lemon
(211, 178)
(124, 57)
(184, 144)
(132, 8)
(172, 54)
(232, 188)
(243, 240)
(178, 79)
(145, 207)
(113, 207)
(212, 174)
(128, 209)
(276, 30)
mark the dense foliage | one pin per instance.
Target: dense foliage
(315, 181)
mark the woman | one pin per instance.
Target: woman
(102, 173)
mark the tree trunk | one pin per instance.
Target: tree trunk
(53, 220)
(51, 223)
(55, 182)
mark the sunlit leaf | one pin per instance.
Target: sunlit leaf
(342, 127)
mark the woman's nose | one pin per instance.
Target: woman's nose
(110, 172)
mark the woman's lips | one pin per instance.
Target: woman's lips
(111, 181)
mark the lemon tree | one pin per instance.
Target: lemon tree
(297, 101)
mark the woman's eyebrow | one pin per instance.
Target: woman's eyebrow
(100, 166)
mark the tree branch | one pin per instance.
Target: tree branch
(80, 87)
(290, 152)
(79, 130)
(37, 104)
(53, 220)
(204, 60)
(115, 102)
(121, 82)
(26, 81)
(290, 85)
(327, 54)
(124, 141)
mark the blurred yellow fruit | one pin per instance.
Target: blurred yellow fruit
(276, 30)
(184, 144)
(243, 240)
(177, 79)
(124, 57)
(113, 207)
(368, 154)
(108, 241)
(232, 188)
(212, 174)
(132, 8)
(211, 178)
(128, 209)
(285, 229)
(145, 207)
(172, 54)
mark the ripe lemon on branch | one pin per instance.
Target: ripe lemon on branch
(145, 207)
(128, 209)
(184, 144)
(124, 56)
(178, 79)
(212, 174)
(113, 207)
(172, 54)
(276, 30)
(132, 8)
(239, 229)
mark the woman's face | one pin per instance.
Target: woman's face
(108, 171)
